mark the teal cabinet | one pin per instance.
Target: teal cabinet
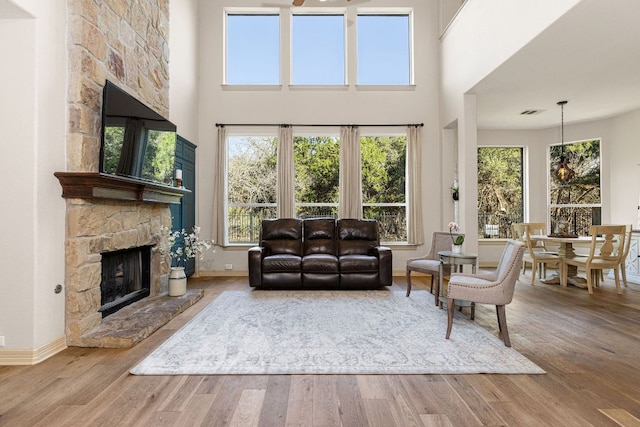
(184, 214)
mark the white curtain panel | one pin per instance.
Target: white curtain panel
(286, 185)
(415, 231)
(350, 203)
(219, 180)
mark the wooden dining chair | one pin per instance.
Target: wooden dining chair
(496, 287)
(627, 246)
(608, 254)
(536, 252)
(518, 231)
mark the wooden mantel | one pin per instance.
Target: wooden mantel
(94, 185)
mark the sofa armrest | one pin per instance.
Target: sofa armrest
(385, 263)
(256, 254)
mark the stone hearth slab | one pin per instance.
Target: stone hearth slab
(135, 322)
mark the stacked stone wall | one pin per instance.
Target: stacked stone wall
(126, 42)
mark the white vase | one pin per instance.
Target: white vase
(177, 282)
(456, 249)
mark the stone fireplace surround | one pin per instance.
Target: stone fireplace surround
(107, 213)
(100, 225)
(126, 42)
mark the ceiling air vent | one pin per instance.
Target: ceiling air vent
(530, 112)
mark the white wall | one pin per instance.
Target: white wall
(483, 36)
(286, 105)
(33, 110)
(183, 67)
(624, 168)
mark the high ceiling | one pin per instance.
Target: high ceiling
(590, 57)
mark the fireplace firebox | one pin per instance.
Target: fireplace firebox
(126, 278)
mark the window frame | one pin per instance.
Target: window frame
(243, 132)
(367, 133)
(411, 44)
(550, 166)
(310, 133)
(271, 11)
(524, 188)
(327, 11)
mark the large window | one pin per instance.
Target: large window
(384, 49)
(252, 182)
(318, 39)
(384, 184)
(318, 49)
(317, 168)
(252, 49)
(500, 190)
(251, 185)
(577, 201)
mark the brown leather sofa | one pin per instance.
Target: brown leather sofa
(319, 253)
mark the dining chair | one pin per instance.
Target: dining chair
(430, 263)
(518, 231)
(627, 246)
(608, 254)
(496, 287)
(536, 252)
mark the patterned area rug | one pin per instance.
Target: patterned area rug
(328, 332)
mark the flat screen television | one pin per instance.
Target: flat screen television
(136, 141)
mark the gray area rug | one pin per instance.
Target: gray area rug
(329, 332)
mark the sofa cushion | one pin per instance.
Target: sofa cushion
(358, 263)
(319, 236)
(320, 263)
(282, 236)
(281, 263)
(357, 236)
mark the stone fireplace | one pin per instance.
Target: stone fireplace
(125, 278)
(95, 227)
(125, 42)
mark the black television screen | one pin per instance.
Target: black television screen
(136, 141)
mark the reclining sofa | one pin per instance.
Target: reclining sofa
(319, 253)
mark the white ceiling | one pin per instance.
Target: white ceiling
(590, 57)
(9, 10)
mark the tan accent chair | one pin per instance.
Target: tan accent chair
(492, 288)
(430, 263)
(536, 253)
(606, 255)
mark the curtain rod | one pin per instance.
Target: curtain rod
(317, 125)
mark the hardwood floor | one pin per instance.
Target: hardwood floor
(588, 345)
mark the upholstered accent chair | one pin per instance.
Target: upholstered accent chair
(496, 287)
(601, 255)
(430, 263)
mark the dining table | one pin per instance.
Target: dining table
(566, 250)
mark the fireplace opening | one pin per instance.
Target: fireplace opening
(126, 278)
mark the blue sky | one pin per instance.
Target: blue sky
(317, 48)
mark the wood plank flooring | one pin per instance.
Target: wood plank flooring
(588, 345)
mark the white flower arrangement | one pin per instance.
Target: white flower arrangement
(458, 240)
(182, 246)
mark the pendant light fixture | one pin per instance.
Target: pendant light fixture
(563, 172)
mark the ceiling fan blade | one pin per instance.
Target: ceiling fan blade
(298, 2)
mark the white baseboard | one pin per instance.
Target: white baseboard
(32, 356)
